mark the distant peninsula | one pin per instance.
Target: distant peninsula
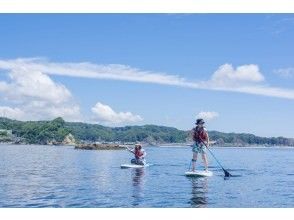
(60, 132)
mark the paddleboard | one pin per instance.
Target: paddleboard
(133, 166)
(199, 173)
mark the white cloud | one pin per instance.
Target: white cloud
(3, 86)
(244, 79)
(39, 110)
(105, 114)
(36, 97)
(207, 115)
(26, 84)
(227, 75)
(8, 112)
(89, 70)
(285, 72)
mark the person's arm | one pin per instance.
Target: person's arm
(144, 154)
(207, 139)
(132, 151)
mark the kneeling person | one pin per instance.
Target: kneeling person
(140, 155)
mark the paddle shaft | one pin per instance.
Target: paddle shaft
(214, 157)
(225, 171)
(130, 150)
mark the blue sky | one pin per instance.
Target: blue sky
(160, 55)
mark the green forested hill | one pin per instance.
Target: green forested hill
(145, 133)
(44, 132)
(36, 132)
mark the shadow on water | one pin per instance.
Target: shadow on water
(231, 176)
(138, 186)
(228, 173)
(199, 192)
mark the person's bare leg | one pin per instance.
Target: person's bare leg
(204, 158)
(194, 161)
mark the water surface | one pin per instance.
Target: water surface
(58, 176)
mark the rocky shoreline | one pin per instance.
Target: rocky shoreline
(99, 147)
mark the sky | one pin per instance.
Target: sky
(234, 70)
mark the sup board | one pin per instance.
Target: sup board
(199, 173)
(134, 166)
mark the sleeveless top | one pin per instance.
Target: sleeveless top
(200, 134)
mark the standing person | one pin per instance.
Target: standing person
(200, 136)
(140, 155)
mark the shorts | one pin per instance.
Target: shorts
(198, 148)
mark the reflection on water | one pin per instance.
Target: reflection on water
(199, 192)
(138, 186)
(47, 176)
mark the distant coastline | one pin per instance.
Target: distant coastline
(94, 136)
(123, 147)
(231, 147)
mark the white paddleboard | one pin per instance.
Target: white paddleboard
(134, 166)
(199, 173)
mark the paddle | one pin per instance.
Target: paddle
(227, 174)
(129, 150)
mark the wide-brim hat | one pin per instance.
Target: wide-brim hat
(199, 121)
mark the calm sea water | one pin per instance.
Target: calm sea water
(51, 176)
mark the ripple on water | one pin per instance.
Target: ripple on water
(42, 176)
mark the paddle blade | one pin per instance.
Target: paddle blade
(227, 174)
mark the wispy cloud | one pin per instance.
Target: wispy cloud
(243, 79)
(277, 25)
(90, 70)
(285, 72)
